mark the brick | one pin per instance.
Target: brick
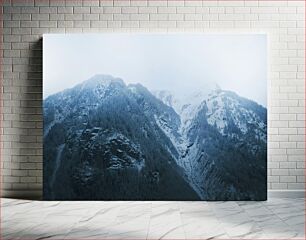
(129, 10)
(296, 151)
(122, 3)
(301, 131)
(59, 3)
(300, 165)
(96, 10)
(300, 142)
(10, 9)
(291, 10)
(265, 24)
(186, 10)
(82, 10)
(167, 24)
(176, 17)
(28, 179)
(105, 17)
(11, 24)
(189, 3)
(138, 3)
(176, 3)
(242, 24)
(40, 16)
(29, 10)
(296, 172)
(25, 3)
(121, 17)
(73, 17)
(49, 10)
(273, 179)
(287, 165)
(273, 165)
(300, 179)
(296, 186)
(147, 9)
(202, 10)
(11, 179)
(288, 24)
(111, 10)
(40, 3)
(158, 17)
(91, 3)
(222, 24)
(74, 3)
(300, 116)
(268, 10)
(230, 3)
(288, 131)
(39, 31)
(11, 38)
(158, 3)
(230, 17)
(287, 145)
(130, 24)
(62, 10)
(114, 24)
(19, 173)
(82, 24)
(242, 10)
(277, 186)
(185, 24)
(297, 124)
(277, 151)
(47, 24)
(288, 179)
(290, 116)
(21, 31)
(98, 24)
(21, 17)
(57, 17)
(91, 17)
(148, 24)
(20, 46)
(296, 158)
(139, 17)
(166, 10)
(193, 17)
(107, 3)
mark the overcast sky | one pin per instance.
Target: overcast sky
(181, 63)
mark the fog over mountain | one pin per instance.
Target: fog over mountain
(180, 62)
(104, 139)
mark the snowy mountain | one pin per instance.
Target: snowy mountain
(111, 141)
(107, 140)
(222, 132)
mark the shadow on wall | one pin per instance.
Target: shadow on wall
(30, 145)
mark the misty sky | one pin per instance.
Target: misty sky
(181, 63)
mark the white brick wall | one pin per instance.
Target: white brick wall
(24, 22)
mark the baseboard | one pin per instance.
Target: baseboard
(37, 194)
(286, 194)
(22, 194)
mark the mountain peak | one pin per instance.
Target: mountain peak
(217, 87)
(101, 79)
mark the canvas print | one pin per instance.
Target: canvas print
(155, 116)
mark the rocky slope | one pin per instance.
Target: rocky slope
(114, 148)
(104, 139)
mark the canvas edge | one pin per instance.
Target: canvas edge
(38, 194)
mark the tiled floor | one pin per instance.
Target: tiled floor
(273, 219)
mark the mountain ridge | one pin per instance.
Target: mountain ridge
(107, 128)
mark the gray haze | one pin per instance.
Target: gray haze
(181, 63)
